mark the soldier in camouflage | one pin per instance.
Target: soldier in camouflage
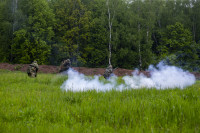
(108, 72)
(33, 69)
(65, 65)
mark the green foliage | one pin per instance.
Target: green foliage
(33, 41)
(5, 30)
(72, 29)
(25, 50)
(143, 32)
(177, 38)
(96, 52)
(39, 105)
(178, 43)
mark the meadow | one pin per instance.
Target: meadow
(40, 105)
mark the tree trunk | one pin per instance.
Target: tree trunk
(139, 45)
(139, 49)
(14, 9)
(147, 34)
(194, 28)
(110, 20)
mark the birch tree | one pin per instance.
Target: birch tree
(111, 6)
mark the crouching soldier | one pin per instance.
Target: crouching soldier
(65, 65)
(33, 69)
(108, 72)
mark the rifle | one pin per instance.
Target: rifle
(115, 68)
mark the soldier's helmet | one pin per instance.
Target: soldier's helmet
(110, 66)
(34, 61)
(68, 60)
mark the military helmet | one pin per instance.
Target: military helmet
(34, 61)
(68, 60)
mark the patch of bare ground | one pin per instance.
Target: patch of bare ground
(84, 70)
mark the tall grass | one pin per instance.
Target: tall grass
(39, 105)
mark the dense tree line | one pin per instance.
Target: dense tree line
(139, 32)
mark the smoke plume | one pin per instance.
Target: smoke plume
(161, 77)
(80, 82)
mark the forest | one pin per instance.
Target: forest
(94, 33)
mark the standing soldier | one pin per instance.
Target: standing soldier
(65, 65)
(108, 72)
(33, 69)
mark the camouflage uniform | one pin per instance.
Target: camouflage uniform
(108, 72)
(65, 65)
(33, 69)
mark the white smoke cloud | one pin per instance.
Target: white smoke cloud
(80, 82)
(162, 77)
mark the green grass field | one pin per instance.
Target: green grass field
(39, 105)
